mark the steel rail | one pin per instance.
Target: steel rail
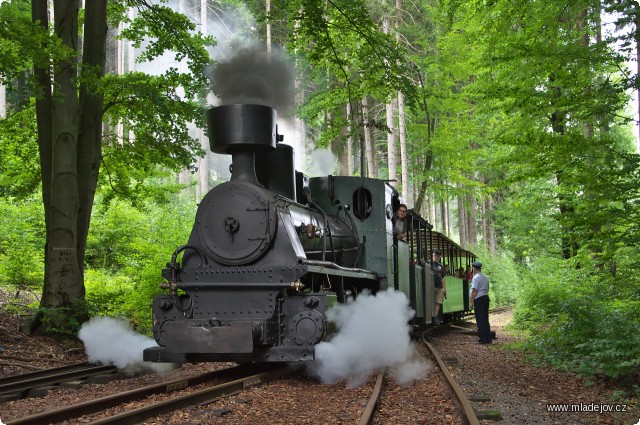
(19, 384)
(469, 413)
(367, 415)
(103, 403)
(30, 375)
(206, 395)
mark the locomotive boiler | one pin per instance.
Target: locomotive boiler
(263, 261)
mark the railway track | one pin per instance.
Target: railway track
(468, 413)
(235, 379)
(374, 401)
(26, 384)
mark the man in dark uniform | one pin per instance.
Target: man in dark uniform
(479, 301)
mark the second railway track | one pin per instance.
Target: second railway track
(19, 386)
(235, 379)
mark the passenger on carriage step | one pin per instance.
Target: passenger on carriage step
(479, 301)
(400, 223)
(438, 283)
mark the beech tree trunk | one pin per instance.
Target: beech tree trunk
(69, 121)
(372, 170)
(472, 228)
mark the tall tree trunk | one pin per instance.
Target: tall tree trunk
(462, 221)
(368, 145)
(491, 234)
(3, 101)
(300, 133)
(448, 217)
(472, 227)
(428, 159)
(349, 148)
(402, 131)
(391, 145)
(391, 139)
(203, 162)
(443, 217)
(63, 273)
(44, 121)
(90, 134)
(636, 36)
(564, 204)
(404, 161)
(268, 25)
(483, 210)
(69, 139)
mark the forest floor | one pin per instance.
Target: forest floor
(497, 377)
(504, 379)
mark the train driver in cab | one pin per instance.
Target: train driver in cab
(400, 223)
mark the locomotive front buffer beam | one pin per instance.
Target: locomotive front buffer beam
(289, 333)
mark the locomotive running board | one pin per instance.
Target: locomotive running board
(237, 338)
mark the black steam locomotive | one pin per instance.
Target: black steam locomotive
(272, 250)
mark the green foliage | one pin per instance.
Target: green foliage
(19, 168)
(126, 252)
(64, 321)
(503, 273)
(22, 43)
(580, 320)
(21, 243)
(342, 55)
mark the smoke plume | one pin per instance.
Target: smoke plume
(112, 341)
(253, 76)
(373, 334)
(322, 162)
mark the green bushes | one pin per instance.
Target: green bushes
(581, 320)
(504, 278)
(126, 251)
(21, 243)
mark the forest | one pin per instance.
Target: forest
(511, 126)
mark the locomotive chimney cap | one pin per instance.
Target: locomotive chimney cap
(242, 127)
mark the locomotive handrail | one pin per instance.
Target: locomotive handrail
(327, 230)
(349, 214)
(331, 265)
(174, 256)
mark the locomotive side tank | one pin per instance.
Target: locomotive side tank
(260, 268)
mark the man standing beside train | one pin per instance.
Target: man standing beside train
(438, 283)
(479, 301)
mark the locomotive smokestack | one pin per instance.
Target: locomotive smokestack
(242, 131)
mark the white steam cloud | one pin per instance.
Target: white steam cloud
(373, 334)
(322, 162)
(112, 341)
(251, 75)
